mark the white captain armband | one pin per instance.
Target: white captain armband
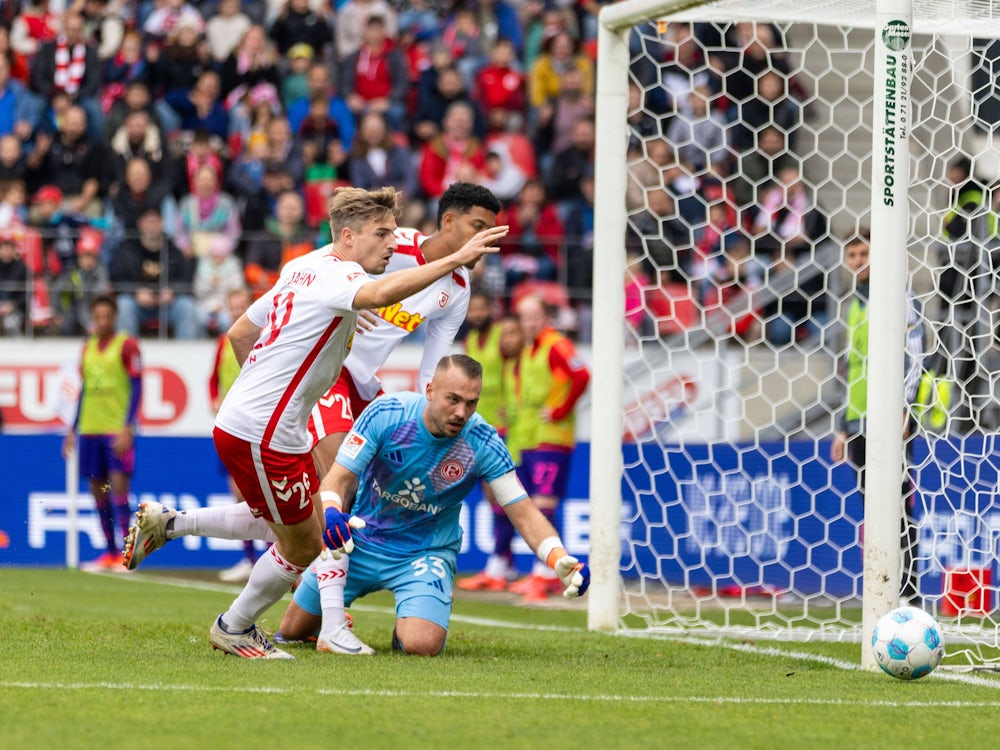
(508, 489)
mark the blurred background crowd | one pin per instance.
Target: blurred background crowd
(173, 152)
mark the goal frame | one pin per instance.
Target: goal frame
(887, 313)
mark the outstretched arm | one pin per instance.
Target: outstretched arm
(397, 286)
(544, 541)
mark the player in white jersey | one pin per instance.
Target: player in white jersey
(407, 466)
(291, 342)
(464, 210)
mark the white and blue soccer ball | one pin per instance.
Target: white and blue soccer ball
(907, 643)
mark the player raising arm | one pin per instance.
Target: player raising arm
(463, 211)
(404, 470)
(292, 342)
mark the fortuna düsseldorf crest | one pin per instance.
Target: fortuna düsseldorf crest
(452, 470)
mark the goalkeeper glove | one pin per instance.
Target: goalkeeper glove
(337, 534)
(575, 575)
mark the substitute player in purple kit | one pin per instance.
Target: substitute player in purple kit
(106, 420)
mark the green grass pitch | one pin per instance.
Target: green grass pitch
(102, 661)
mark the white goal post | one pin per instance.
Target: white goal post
(649, 583)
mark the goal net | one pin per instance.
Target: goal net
(746, 134)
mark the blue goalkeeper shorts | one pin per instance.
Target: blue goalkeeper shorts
(421, 585)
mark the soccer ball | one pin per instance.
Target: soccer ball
(907, 643)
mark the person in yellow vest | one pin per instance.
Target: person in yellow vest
(849, 442)
(224, 372)
(550, 380)
(506, 342)
(106, 419)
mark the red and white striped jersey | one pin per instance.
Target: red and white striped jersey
(440, 309)
(307, 321)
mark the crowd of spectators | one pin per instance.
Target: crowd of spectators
(171, 151)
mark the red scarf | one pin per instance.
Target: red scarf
(69, 66)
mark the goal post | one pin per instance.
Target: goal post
(890, 216)
(715, 505)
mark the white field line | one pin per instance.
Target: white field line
(475, 695)
(751, 648)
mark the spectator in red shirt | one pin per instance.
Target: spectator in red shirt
(35, 25)
(454, 156)
(501, 84)
(376, 77)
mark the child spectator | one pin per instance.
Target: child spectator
(76, 286)
(219, 274)
(295, 84)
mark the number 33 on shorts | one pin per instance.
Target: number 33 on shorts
(429, 563)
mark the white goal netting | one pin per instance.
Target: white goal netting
(749, 166)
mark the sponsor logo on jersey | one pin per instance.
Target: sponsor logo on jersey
(410, 497)
(353, 444)
(443, 298)
(401, 318)
(355, 275)
(452, 470)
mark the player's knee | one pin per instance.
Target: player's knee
(418, 643)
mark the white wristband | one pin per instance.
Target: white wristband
(546, 546)
(329, 496)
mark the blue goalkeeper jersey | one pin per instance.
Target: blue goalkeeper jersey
(412, 484)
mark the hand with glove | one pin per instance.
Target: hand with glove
(338, 525)
(575, 575)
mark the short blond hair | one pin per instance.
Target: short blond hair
(354, 207)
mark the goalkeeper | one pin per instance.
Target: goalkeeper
(403, 472)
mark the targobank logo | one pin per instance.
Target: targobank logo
(896, 35)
